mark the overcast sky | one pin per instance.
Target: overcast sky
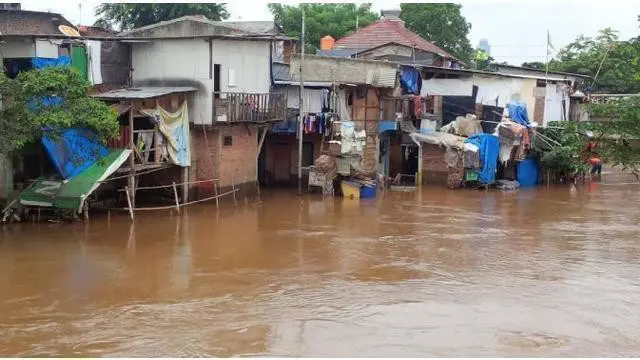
(516, 30)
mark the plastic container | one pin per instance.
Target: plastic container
(350, 190)
(368, 191)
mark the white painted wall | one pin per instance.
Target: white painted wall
(17, 48)
(249, 63)
(505, 89)
(46, 48)
(553, 104)
(173, 62)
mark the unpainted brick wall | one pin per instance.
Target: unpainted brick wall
(434, 167)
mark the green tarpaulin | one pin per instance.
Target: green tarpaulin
(53, 191)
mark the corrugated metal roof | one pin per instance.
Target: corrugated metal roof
(255, 27)
(142, 92)
(339, 52)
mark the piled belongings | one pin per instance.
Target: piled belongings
(507, 184)
(489, 148)
(464, 126)
(323, 174)
(513, 135)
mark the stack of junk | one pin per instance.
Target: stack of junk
(474, 157)
(345, 163)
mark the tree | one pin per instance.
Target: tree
(336, 20)
(482, 60)
(26, 114)
(127, 16)
(534, 65)
(620, 71)
(442, 24)
(619, 138)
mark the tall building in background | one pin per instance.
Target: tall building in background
(9, 6)
(484, 46)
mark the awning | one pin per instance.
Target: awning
(53, 191)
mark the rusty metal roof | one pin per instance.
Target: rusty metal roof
(145, 92)
(21, 22)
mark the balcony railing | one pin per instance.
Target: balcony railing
(246, 107)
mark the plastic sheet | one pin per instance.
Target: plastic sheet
(489, 149)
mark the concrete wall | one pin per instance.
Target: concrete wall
(340, 70)
(185, 62)
(182, 62)
(17, 48)
(248, 61)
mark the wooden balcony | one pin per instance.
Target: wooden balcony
(229, 107)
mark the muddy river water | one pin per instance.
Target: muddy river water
(436, 273)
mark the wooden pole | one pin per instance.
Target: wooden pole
(215, 191)
(175, 194)
(132, 161)
(126, 189)
(233, 187)
(301, 108)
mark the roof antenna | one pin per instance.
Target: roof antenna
(80, 15)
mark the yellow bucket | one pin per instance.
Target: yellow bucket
(350, 190)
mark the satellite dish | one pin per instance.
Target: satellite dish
(68, 30)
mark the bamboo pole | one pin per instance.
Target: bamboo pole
(215, 192)
(175, 194)
(126, 188)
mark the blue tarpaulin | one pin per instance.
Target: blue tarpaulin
(41, 63)
(528, 172)
(489, 146)
(285, 127)
(410, 80)
(73, 151)
(518, 112)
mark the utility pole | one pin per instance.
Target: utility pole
(301, 107)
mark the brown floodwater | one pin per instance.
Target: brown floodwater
(537, 272)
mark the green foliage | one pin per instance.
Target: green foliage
(567, 157)
(321, 19)
(620, 72)
(534, 65)
(482, 61)
(127, 16)
(619, 136)
(442, 24)
(21, 123)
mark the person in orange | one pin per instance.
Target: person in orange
(594, 159)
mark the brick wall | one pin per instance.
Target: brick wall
(434, 167)
(238, 161)
(210, 158)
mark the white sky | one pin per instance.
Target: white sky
(516, 29)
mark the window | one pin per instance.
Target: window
(216, 81)
(227, 141)
(232, 78)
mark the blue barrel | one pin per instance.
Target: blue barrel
(368, 191)
(527, 171)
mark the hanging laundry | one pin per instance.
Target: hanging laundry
(418, 106)
(410, 80)
(518, 112)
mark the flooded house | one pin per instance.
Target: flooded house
(35, 40)
(229, 64)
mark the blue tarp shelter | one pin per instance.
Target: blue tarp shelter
(73, 151)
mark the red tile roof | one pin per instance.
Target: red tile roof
(386, 31)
